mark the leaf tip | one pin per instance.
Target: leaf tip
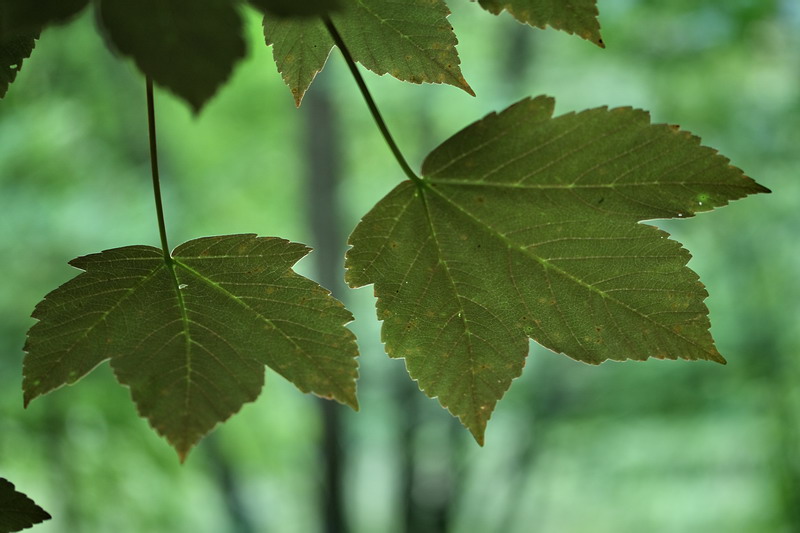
(183, 453)
(29, 392)
(717, 358)
(346, 396)
(478, 433)
(466, 87)
(26, 399)
(353, 404)
(761, 189)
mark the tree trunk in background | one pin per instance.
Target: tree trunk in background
(63, 476)
(229, 486)
(519, 58)
(323, 169)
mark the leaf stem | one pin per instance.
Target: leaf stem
(151, 124)
(373, 108)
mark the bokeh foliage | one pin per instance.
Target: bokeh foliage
(657, 447)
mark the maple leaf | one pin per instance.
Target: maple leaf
(293, 8)
(13, 52)
(572, 16)
(21, 22)
(188, 46)
(17, 511)
(410, 40)
(191, 337)
(525, 226)
(20, 18)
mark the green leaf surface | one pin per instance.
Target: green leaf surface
(188, 46)
(293, 8)
(17, 511)
(572, 16)
(411, 40)
(12, 53)
(300, 49)
(525, 226)
(190, 339)
(20, 18)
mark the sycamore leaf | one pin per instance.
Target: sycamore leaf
(21, 22)
(572, 16)
(12, 53)
(188, 46)
(293, 8)
(410, 40)
(17, 511)
(300, 48)
(19, 18)
(525, 226)
(190, 338)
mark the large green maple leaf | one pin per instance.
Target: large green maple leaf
(190, 337)
(17, 511)
(411, 40)
(572, 16)
(525, 226)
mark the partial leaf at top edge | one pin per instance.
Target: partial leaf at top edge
(18, 511)
(188, 46)
(13, 52)
(411, 40)
(525, 226)
(191, 338)
(572, 16)
(293, 8)
(300, 48)
(20, 18)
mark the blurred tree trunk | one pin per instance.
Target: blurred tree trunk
(65, 480)
(229, 486)
(323, 171)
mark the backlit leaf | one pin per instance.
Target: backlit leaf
(21, 22)
(12, 53)
(572, 16)
(293, 8)
(411, 40)
(17, 511)
(188, 46)
(190, 339)
(525, 226)
(300, 48)
(20, 18)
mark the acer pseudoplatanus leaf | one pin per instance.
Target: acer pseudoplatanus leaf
(17, 511)
(21, 22)
(13, 52)
(526, 226)
(188, 46)
(572, 16)
(191, 337)
(295, 8)
(411, 40)
(24, 17)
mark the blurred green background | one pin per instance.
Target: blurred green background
(660, 446)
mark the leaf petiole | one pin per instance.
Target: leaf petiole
(151, 125)
(373, 108)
